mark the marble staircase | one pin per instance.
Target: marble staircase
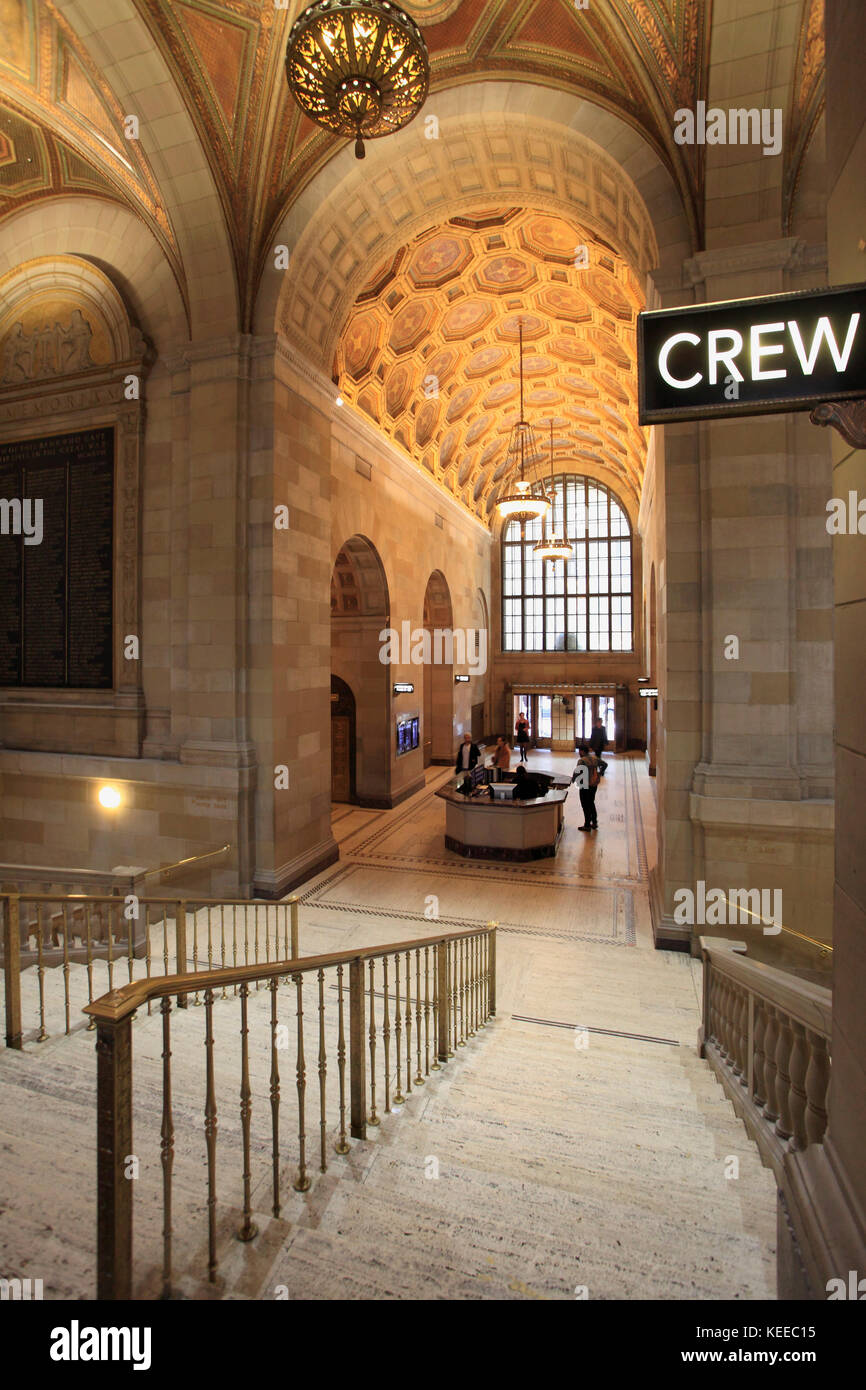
(538, 1163)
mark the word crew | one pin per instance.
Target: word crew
(752, 356)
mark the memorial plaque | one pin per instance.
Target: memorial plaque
(56, 584)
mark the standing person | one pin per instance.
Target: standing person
(598, 742)
(467, 755)
(522, 731)
(588, 760)
(502, 755)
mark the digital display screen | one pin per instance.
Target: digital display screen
(408, 735)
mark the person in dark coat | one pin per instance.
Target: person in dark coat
(598, 742)
(467, 755)
(521, 729)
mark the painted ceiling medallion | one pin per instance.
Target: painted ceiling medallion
(357, 68)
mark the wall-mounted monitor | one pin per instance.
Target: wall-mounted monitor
(408, 735)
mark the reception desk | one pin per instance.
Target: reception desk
(479, 828)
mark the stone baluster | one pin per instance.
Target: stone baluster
(771, 1038)
(759, 1091)
(817, 1086)
(797, 1068)
(724, 1018)
(784, 1126)
(737, 1030)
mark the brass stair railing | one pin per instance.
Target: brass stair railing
(441, 989)
(171, 935)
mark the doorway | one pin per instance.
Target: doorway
(342, 741)
(589, 708)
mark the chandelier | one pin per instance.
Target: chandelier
(520, 502)
(553, 547)
(357, 68)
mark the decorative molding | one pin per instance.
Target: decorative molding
(787, 253)
(848, 417)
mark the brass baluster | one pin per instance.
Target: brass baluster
(177, 932)
(234, 942)
(130, 944)
(461, 945)
(210, 1132)
(426, 1010)
(65, 907)
(88, 927)
(438, 951)
(302, 1181)
(166, 1146)
(275, 1099)
(222, 941)
(453, 1000)
(249, 1229)
(246, 935)
(478, 1023)
(399, 1098)
(372, 1118)
(256, 929)
(40, 973)
(342, 1145)
(470, 984)
(323, 1072)
(110, 951)
(386, 1037)
(194, 946)
(408, 1024)
(419, 1079)
(209, 934)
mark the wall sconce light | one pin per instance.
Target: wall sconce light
(109, 797)
(461, 680)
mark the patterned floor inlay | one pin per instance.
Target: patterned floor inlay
(602, 913)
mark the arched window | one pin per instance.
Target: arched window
(584, 605)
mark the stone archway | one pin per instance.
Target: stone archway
(360, 606)
(438, 725)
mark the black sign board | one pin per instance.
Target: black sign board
(752, 356)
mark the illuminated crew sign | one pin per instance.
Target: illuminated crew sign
(752, 356)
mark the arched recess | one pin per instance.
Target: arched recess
(145, 85)
(117, 243)
(360, 608)
(438, 723)
(516, 141)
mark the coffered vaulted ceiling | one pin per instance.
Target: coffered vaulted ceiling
(430, 351)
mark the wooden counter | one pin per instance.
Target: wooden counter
(479, 828)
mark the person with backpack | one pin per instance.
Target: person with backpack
(589, 781)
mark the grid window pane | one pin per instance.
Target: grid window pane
(584, 604)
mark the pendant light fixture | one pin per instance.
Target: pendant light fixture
(357, 68)
(520, 503)
(553, 547)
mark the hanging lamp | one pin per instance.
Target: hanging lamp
(520, 503)
(553, 547)
(358, 69)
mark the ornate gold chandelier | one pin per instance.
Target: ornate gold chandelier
(357, 68)
(553, 547)
(520, 502)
